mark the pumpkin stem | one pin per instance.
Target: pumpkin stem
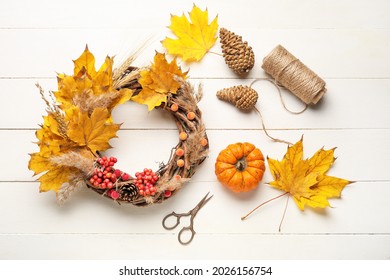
(241, 164)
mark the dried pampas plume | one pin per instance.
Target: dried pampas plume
(87, 101)
(191, 97)
(77, 160)
(196, 151)
(173, 183)
(53, 109)
(67, 189)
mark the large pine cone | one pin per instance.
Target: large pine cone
(243, 97)
(238, 55)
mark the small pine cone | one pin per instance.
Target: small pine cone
(128, 192)
(238, 55)
(243, 97)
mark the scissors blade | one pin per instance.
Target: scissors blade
(205, 200)
(201, 203)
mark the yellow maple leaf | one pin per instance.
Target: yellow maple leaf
(305, 179)
(83, 132)
(38, 163)
(88, 87)
(86, 61)
(157, 82)
(195, 38)
(103, 78)
(54, 178)
(55, 175)
(124, 95)
(50, 140)
(93, 131)
(80, 124)
(51, 143)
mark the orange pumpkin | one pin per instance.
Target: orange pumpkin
(240, 167)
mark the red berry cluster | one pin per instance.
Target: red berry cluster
(145, 182)
(113, 194)
(105, 176)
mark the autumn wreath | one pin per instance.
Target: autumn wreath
(78, 126)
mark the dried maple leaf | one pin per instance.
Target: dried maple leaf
(79, 125)
(305, 179)
(52, 138)
(195, 38)
(88, 88)
(84, 134)
(158, 81)
(86, 61)
(39, 163)
(92, 131)
(55, 176)
(53, 143)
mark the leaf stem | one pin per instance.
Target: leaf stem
(284, 213)
(269, 200)
(216, 53)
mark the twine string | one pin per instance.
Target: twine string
(266, 132)
(291, 73)
(275, 83)
(284, 105)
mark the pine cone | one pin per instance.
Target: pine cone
(243, 97)
(128, 192)
(238, 55)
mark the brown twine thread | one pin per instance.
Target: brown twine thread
(291, 73)
(280, 96)
(266, 132)
(284, 105)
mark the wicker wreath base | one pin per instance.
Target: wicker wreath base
(181, 166)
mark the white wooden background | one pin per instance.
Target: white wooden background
(345, 42)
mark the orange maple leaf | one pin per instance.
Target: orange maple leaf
(157, 82)
(80, 125)
(88, 88)
(93, 131)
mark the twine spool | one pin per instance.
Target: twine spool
(291, 73)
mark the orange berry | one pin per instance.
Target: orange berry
(180, 162)
(174, 107)
(204, 142)
(180, 152)
(177, 177)
(183, 136)
(190, 116)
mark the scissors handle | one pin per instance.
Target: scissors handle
(173, 214)
(184, 229)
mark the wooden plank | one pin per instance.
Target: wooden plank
(86, 212)
(362, 154)
(259, 14)
(340, 53)
(224, 247)
(340, 108)
(345, 42)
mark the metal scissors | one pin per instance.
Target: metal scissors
(192, 213)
